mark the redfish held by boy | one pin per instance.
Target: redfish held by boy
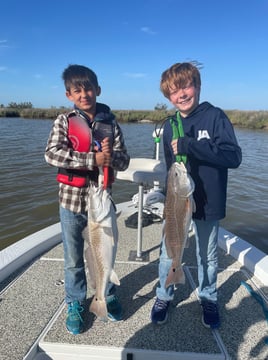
(179, 206)
(101, 236)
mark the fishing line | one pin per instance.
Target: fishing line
(177, 131)
(157, 131)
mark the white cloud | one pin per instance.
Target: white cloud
(38, 76)
(3, 44)
(3, 68)
(148, 30)
(135, 75)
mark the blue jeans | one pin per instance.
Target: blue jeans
(72, 226)
(206, 235)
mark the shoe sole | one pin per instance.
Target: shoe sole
(74, 332)
(112, 319)
(160, 322)
(207, 326)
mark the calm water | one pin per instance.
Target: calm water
(28, 198)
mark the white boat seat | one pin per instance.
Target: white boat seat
(143, 171)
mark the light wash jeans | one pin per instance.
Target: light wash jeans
(206, 235)
(72, 225)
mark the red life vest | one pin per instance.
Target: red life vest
(79, 133)
(80, 136)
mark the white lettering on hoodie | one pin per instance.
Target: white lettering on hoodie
(203, 134)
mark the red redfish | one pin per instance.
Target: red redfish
(179, 206)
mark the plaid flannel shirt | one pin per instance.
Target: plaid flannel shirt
(58, 153)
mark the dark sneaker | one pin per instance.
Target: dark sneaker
(210, 318)
(74, 320)
(159, 313)
(114, 308)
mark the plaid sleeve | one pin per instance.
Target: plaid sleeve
(120, 157)
(58, 151)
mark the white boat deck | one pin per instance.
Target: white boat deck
(32, 311)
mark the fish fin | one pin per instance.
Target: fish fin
(99, 308)
(193, 205)
(114, 278)
(164, 212)
(175, 276)
(187, 242)
(118, 213)
(164, 229)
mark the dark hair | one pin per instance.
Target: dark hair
(79, 76)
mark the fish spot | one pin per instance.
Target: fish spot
(173, 269)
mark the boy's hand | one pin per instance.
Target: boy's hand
(103, 158)
(105, 146)
(174, 145)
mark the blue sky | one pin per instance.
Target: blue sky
(129, 44)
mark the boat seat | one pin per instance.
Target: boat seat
(143, 171)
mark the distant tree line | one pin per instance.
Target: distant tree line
(239, 118)
(27, 110)
(29, 105)
(13, 105)
(160, 107)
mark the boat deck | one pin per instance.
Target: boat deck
(33, 311)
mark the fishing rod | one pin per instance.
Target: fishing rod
(157, 136)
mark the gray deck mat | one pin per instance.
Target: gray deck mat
(27, 306)
(30, 303)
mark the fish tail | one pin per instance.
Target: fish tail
(114, 278)
(175, 276)
(99, 308)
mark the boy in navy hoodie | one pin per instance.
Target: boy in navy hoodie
(210, 146)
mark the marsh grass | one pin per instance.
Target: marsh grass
(239, 118)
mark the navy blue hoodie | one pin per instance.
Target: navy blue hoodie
(211, 148)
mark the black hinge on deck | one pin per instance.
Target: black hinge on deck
(130, 356)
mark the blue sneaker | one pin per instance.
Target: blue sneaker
(159, 313)
(74, 320)
(114, 308)
(210, 318)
